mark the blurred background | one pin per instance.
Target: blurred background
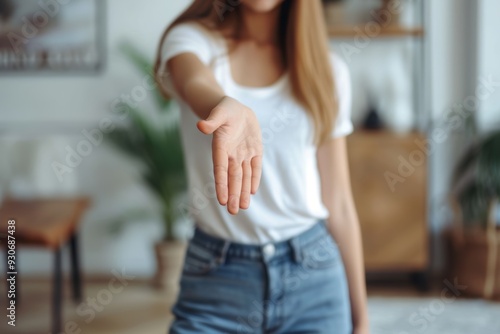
(92, 175)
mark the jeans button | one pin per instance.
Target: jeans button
(269, 250)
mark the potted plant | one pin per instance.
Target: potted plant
(158, 148)
(475, 239)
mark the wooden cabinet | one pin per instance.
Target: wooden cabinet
(393, 218)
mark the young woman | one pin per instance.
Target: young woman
(265, 105)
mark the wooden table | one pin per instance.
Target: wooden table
(50, 223)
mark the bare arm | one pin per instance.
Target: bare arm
(343, 224)
(236, 142)
(195, 84)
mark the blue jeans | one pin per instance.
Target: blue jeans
(294, 286)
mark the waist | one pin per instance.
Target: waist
(292, 246)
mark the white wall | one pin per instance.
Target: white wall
(86, 98)
(488, 61)
(451, 78)
(463, 52)
(46, 113)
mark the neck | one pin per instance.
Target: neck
(260, 27)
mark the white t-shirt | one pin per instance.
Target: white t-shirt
(288, 201)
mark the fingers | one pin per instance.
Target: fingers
(235, 183)
(246, 185)
(220, 159)
(237, 168)
(256, 165)
(214, 121)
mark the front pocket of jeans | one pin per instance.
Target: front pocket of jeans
(199, 260)
(320, 254)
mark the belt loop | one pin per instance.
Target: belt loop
(223, 254)
(297, 251)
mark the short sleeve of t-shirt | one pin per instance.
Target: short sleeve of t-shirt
(343, 124)
(185, 38)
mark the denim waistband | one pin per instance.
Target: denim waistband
(293, 246)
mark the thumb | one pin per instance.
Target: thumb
(214, 121)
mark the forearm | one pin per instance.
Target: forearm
(343, 223)
(201, 95)
(344, 226)
(195, 84)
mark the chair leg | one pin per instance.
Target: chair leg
(75, 269)
(57, 293)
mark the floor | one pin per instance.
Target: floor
(137, 308)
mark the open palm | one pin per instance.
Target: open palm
(236, 152)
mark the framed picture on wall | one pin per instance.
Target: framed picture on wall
(52, 35)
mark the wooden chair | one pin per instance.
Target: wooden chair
(48, 223)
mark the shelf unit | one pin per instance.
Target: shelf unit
(394, 224)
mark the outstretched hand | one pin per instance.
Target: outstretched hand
(236, 152)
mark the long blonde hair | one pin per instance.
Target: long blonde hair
(304, 47)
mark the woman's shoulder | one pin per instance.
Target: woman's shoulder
(191, 36)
